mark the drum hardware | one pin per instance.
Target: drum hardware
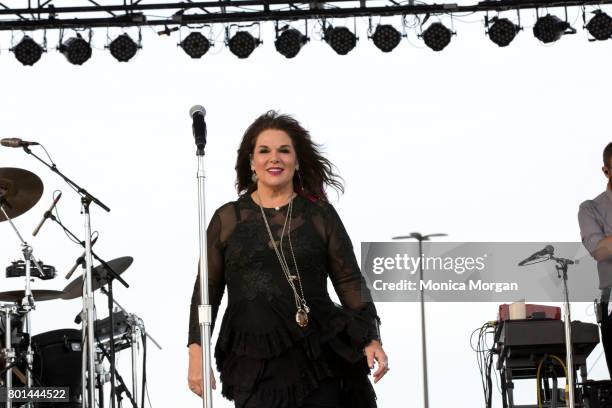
(91, 280)
(38, 294)
(20, 190)
(119, 333)
(17, 270)
(8, 352)
(133, 320)
(121, 388)
(136, 331)
(80, 260)
(88, 297)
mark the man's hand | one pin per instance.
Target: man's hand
(374, 351)
(604, 249)
(194, 376)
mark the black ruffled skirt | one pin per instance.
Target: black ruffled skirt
(267, 361)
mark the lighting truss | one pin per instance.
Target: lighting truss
(79, 14)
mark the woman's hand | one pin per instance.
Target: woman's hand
(194, 376)
(374, 351)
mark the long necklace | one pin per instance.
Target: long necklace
(301, 315)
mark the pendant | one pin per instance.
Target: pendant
(271, 244)
(301, 317)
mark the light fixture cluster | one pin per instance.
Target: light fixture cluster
(77, 50)
(289, 40)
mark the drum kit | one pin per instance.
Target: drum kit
(67, 358)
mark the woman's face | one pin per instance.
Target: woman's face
(274, 159)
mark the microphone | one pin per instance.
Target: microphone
(79, 260)
(47, 214)
(197, 113)
(548, 250)
(16, 142)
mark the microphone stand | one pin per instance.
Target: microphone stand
(204, 309)
(561, 268)
(420, 238)
(88, 297)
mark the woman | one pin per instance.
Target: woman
(282, 342)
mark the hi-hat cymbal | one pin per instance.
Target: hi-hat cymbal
(38, 294)
(98, 278)
(20, 190)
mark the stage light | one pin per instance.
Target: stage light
(28, 51)
(386, 37)
(341, 39)
(437, 36)
(123, 48)
(195, 45)
(502, 31)
(600, 26)
(76, 50)
(290, 42)
(549, 28)
(242, 44)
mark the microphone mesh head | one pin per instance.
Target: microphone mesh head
(197, 108)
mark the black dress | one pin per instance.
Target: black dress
(264, 358)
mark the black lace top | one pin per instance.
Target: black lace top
(262, 355)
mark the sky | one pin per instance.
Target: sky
(480, 142)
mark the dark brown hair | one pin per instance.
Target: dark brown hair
(315, 170)
(607, 154)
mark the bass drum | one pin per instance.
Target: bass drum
(57, 363)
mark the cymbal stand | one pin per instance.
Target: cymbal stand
(27, 303)
(88, 297)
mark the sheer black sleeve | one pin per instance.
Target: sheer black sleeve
(216, 278)
(345, 273)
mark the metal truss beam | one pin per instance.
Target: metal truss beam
(137, 13)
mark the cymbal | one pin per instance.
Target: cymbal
(20, 190)
(98, 278)
(38, 294)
